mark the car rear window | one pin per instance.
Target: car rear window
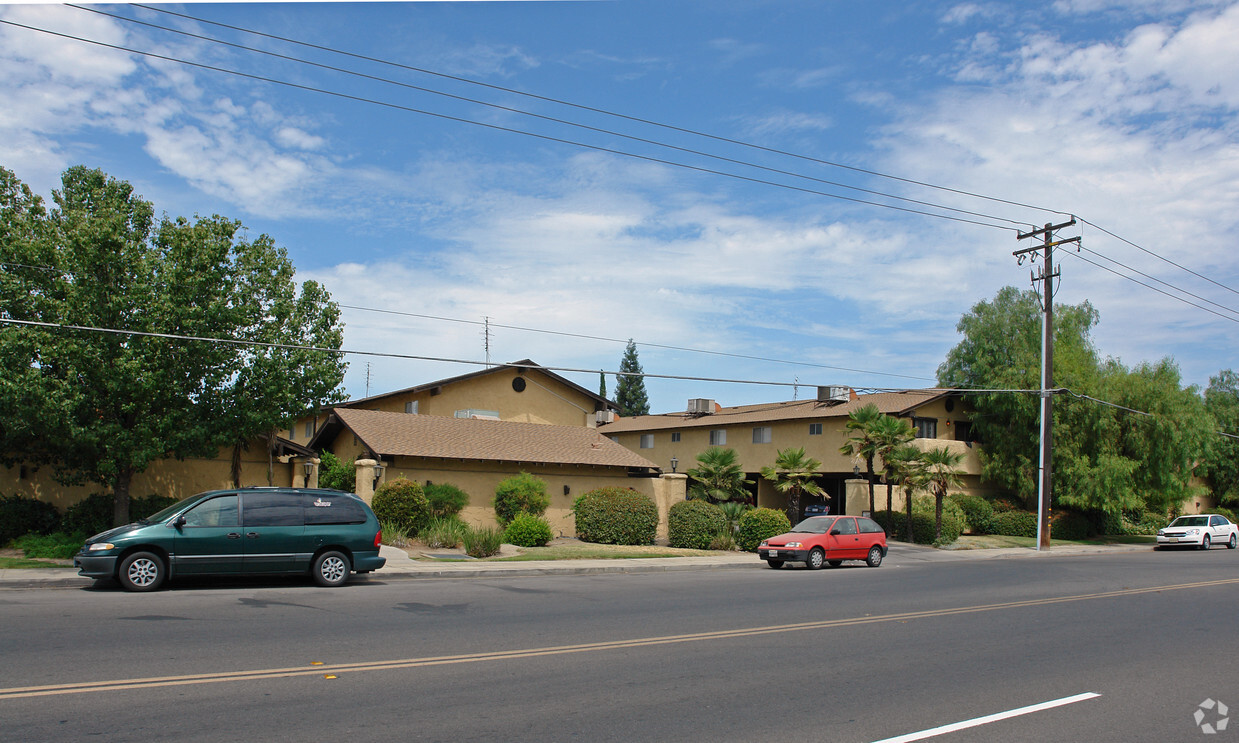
(869, 526)
(333, 509)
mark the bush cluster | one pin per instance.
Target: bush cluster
(55, 546)
(527, 530)
(695, 524)
(615, 516)
(522, 492)
(482, 542)
(759, 524)
(446, 532)
(94, 513)
(337, 474)
(1071, 525)
(402, 504)
(1015, 524)
(445, 500)
(20, 516)
(978, 512)
(924, 524)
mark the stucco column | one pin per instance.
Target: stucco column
(300, 479)
(368, 470)
(856, 496)
(669, 490)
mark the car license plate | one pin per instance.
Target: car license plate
(1172, 539)
(774, 553)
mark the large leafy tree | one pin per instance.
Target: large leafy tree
(92, 290)
(1221, 464)
(718, 476)
(863, 442)
(1106, 459)
(630, 392)
(792, 475)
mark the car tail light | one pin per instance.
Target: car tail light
(378, 537)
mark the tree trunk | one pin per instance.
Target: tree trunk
(869, 477)
(889, 503)
(120, 497)
(938, 515)
(907, 491)
(236, 465)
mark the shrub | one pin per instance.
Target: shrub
(725, 542)
(693, 524)
(337, 474)
(527, 530)
(923, 525)
(759, 524)
(402, 504)
(20, 516)
(1070, 525)
(615, 516)
(1002, 505)
(446, 532)
(522, 492)
(445, 500)
(1015, 524)
(1229, 514)
(1150, 522)
(483, 542)
(57, 546)
(978, 513)
(90, 515)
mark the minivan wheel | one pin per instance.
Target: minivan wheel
(141, 571)
(331, 569)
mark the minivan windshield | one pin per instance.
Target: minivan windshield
(166, 513)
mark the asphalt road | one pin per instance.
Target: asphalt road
(849, 654)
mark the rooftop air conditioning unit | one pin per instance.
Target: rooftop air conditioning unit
(604, 416)
(834, 393)
(700, 406)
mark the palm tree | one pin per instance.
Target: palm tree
(718, 476)
(906, 465)
(890, 433)
(792, 475)
(942, 472)
(862, 442)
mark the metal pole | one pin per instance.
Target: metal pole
(1047, 400)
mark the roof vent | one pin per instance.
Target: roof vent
(700, 406)
(834, 393)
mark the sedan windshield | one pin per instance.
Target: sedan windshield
(1191, 521)
(814, 525)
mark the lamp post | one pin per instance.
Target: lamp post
(379, 467)
(674, 463)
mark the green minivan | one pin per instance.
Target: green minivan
(247, 531)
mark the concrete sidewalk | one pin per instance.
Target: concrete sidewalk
(401, 567)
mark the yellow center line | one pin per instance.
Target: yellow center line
(498, 655)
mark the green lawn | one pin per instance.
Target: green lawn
(993, 541)
(12, 563)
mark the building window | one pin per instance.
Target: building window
(815, 429)
(963, 431)
(411, 407)
(718, 437)
(926, 428)
(761, 435)
(647, 441)
(309, 429)
(675, 437)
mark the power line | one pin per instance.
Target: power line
(552, 119)
(640, 343)
(1163, 283)
(1159, 257)
(496, 127)
(1077, 256)
(592, 109)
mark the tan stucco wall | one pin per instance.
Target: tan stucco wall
(479, 480)
(544, 400)
(167, 477)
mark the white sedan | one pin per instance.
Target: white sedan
(1201, 531)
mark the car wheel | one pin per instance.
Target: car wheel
(835, 563)
(1205, 543)
(1233, 543)
(817, 558)
(776, 564)
(875, 557)
(331, 569)
(141, 571)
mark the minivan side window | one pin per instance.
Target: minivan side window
(273, 509)
(221, 511)
(333, 509)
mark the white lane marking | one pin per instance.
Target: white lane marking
(976, 721)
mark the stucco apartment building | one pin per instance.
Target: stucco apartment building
(758, 432)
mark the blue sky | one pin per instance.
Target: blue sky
(1124, 113)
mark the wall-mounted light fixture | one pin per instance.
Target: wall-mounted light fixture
(567, 490)
(308, 466)
(856, 470)
(379, 468)
(674, 463)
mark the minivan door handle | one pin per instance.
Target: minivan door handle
(252, 535)
(233, 535)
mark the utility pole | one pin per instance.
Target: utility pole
(1046, 277)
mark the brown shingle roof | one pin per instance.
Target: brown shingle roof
(891, 403)
(405, 435)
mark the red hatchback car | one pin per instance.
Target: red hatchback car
(820, 540)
